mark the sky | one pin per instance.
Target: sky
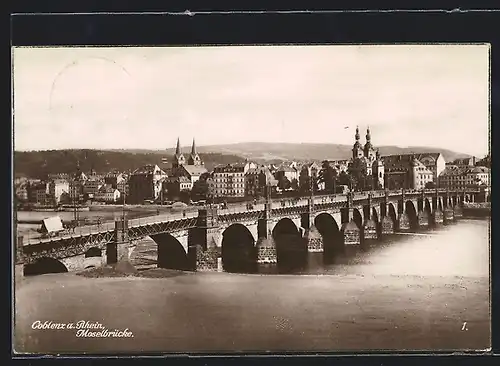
(144, 98)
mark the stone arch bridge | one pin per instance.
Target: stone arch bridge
(215, 240)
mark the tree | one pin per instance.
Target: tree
(327, 176)
(294, 184)
(304, 182)
(284, 183)
(345, 179)
(200, 190)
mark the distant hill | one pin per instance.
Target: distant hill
(40, 163)
(263, 151)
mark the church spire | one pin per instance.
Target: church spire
(178, 148)
(193, 148)
(357, 133)
(368, 136)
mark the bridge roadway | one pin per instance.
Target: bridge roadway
(230, 209)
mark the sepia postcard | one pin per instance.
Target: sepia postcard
(298, 198)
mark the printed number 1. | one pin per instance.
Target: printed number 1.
(464, 326)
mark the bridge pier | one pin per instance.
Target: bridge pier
(312, 236)
(438, 217)
(118, 250)
(369, 233)
(403, 221)
(448, 209)
(423, 219)
(387, 224)
(266, 247)
(448, 215)
(205, 249)
(351, 235)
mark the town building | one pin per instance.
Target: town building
(38, 193)
(286, 171)
(464, 176)
(463, 162)
(191, 172)
(406, 171)
(256, 181)
(366, 165)
(453, 177)
(111, 195)
(174, 185)
(21, 190)
(63, 176)
(479, 176)
(76, 184)
(92, 185)
(229, 180)
(107, 193)
(58, 189)
(434, 162)
(145, 183)
(119, 181)
(340, 165)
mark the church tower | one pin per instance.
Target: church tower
(194, 158)
(179, 159)
(357, 151)
(370, 152)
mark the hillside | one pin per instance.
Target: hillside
(40, 163)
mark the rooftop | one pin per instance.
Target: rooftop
(195, 169)
(148, 169)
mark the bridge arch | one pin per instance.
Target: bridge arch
(330, 232)
(375, 215)
(357, 218)
(427, 206)
(412, 213)
(291, 248)
(238, 249)
(440, 204)
(420, 204)
(392, 212)
(93, 252)
(92, 258)
(171, 253)
(44, 265)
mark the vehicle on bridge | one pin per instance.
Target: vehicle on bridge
(342, 189)
(51, 226)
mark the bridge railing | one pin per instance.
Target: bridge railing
(191, 212)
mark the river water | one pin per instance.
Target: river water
(426, 291)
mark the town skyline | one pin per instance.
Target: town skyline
(144, 98)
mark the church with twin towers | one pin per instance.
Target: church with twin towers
(193, 159)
